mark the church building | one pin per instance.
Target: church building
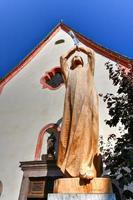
(31, 110)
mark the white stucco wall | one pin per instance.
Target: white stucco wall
(25, 108)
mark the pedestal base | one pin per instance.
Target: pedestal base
(81, 197)
(77, 185)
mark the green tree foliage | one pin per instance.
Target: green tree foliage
(119, 161)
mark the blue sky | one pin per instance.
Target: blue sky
(24, 23)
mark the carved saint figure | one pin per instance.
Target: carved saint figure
(78, 143)
(51, 146)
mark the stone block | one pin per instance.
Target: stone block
(58, 196)
(77, 185)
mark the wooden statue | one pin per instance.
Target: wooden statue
(78, 143)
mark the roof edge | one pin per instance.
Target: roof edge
(98, 48)
(29, 57)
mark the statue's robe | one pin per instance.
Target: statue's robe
(78, 142)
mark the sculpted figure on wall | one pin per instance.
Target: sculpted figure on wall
(78, 143)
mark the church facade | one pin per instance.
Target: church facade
(32, 99)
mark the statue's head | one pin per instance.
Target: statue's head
(76, 60)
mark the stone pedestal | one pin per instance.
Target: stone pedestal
(77, 185)
(43, 177)
(38, 179)
(81, 197)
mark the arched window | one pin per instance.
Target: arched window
(1, 188)
(52, 79)
(52, 141)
